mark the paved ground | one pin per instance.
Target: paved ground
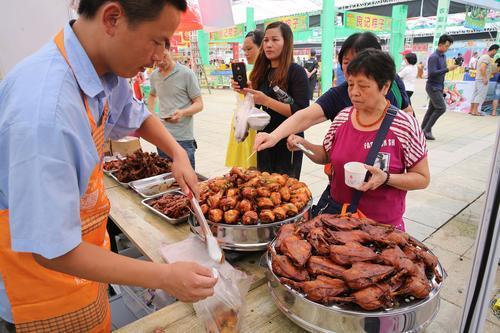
(445, 215)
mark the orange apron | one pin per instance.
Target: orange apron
(44, 300)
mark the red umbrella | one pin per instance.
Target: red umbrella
(191, 19)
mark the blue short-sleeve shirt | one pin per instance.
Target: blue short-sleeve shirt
(46, 149)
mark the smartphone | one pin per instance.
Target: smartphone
(239, 73)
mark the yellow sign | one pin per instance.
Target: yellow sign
(228, 33)
(369, 22)
(296, 22)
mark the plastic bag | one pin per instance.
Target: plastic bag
(258, 119)
(222, 312)
(241, 118)
(248, 116)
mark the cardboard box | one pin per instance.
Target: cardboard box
(107, 148)
(126, 145)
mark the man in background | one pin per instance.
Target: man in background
(436, 71)
(485, 67)
(311, 66)
(177, 88)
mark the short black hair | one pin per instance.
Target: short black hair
(137, 11)
(256, 35)
(411, 58)
(313, 53)
(359, 42)
(375, 64)
(493, 47)
(445, 38)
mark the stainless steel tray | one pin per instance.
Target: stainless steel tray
(240, 237)
(314, 317)
(146, 203)
(152, 186)
(112, 175)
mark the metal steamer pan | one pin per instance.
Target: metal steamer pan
(314, 317)
(240, 237)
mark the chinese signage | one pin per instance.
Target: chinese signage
(228, 33)
(475, 18)
(297, 22)
(180, 39)
(441, 21)
(361, 21)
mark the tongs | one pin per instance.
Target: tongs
(214, 250)
(304, 149)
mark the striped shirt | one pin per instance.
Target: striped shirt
(403, 147)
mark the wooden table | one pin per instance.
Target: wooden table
(148, 232)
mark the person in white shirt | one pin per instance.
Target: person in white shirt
(409, 73)
(473, 61)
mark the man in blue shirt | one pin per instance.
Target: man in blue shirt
(436, 71)
(56, 108)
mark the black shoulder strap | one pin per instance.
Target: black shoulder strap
(372, 154)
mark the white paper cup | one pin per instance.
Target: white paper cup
(354, 173)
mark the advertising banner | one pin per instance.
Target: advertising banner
(475, 18)
(296, 22)
(228, 33)
(368, 22)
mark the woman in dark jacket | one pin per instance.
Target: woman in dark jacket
(274, 69)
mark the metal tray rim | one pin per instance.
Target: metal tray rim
(313, 328)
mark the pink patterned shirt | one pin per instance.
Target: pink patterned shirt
(403, 147)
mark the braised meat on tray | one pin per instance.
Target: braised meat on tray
(258, 197)
(334, 259)
(140, 165)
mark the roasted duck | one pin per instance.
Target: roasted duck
(364, 274)
(320, 290)
(350, 253)
(371, 298)
(298, 250)
(283, 266)
(317, 265)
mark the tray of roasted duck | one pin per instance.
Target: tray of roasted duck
(245, 208)
(152, 186)
(172, 206)
(344, 274)
(140, 165)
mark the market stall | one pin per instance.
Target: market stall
(250, 212)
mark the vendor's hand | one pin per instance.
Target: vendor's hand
(264, 140)
(291, 142)
(188, 281)
(258, 96)
(452, 67)
(184, 173)
(378, 177)
(176, 117)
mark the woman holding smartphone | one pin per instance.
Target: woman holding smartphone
(240, 154)
(280, 87)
